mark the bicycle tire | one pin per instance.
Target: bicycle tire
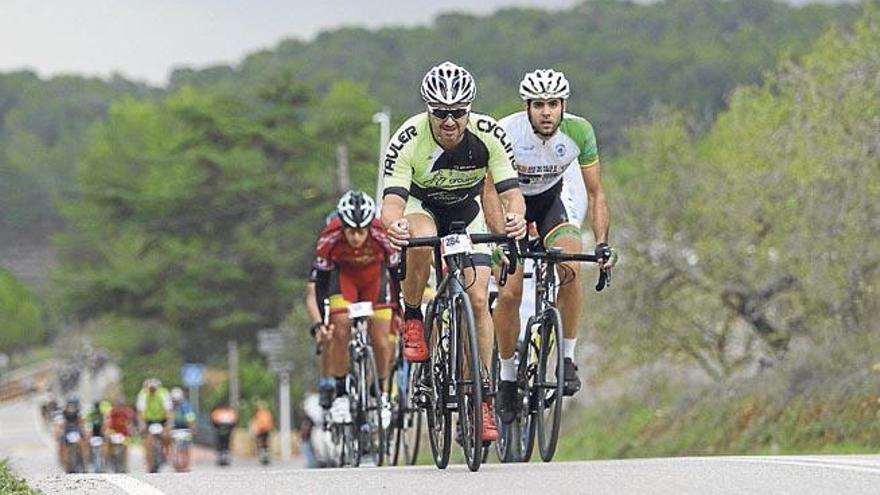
(395, 391)
(526, 372)
(469, 395)
(411, 428)
(371, 402)
(436, 374)
(352, 437)
(550, 383)
(504, 448)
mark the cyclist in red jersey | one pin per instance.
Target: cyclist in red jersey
(119, 420)
(352, 259)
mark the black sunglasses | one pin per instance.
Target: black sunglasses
(443, 113)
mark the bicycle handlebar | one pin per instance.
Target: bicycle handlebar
(604, 275)
(434, 242)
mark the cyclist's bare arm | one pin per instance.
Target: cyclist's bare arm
(312, 303)
(392, 211)
(513, 202)
(600, 217)
(492, 207)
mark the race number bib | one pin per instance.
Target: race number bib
(456, 244)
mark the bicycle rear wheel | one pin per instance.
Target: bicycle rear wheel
(469, 390)
(549, 383)
(434, 380)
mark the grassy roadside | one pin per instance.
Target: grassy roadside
(797, 410)
(10, 484)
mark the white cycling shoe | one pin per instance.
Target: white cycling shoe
(386, 412)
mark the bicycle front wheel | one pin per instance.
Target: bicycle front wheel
(435, 378)
(470, 383)
(549, 383)
(370, 416)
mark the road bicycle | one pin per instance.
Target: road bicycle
(540, 362)
(452, 381)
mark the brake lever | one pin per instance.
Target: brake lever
(604, 279)
(401, 266)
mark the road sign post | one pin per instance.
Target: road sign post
(193, 375)
(270, 343)
(284, 412)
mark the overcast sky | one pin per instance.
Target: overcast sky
(145, 39)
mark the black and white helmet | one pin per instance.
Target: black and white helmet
(356, 209)
(448, 84)
(544, 84)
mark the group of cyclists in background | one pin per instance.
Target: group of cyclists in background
(452, 173)
(96, 437)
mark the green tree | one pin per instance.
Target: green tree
(201, 211)
(760, 232)
(21, 322)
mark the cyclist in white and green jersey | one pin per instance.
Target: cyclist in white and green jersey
(546, 142)
(435, 169)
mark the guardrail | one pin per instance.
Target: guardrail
(26, 380)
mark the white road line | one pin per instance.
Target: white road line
(863, 468)
(129, 485)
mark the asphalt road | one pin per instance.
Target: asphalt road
(32, 455)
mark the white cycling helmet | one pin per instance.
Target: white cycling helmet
(177, 394)
(544, 84)
(448, 84)
(356, 209)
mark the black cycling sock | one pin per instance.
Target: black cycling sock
(412, 312)
(341, 388)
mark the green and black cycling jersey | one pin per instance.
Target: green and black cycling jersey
(416, 164)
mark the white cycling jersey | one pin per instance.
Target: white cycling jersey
(542, 163)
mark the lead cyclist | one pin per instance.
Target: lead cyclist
(547, 141)
(435, 167)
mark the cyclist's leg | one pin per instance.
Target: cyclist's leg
(148, 447)
(506, 315)
(421, 223)
(375, 287)
(418, 260)
(379, 325)
(477, 282)
(570, 291)
(557, 231)
(557, 228)
(338, 348)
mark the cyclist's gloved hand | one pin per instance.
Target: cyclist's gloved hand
(608, 255)
(321, 332)
(515, 225)
(398, 233)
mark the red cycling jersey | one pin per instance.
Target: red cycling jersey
(333, 250)
(120, 419)
(358, 274)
